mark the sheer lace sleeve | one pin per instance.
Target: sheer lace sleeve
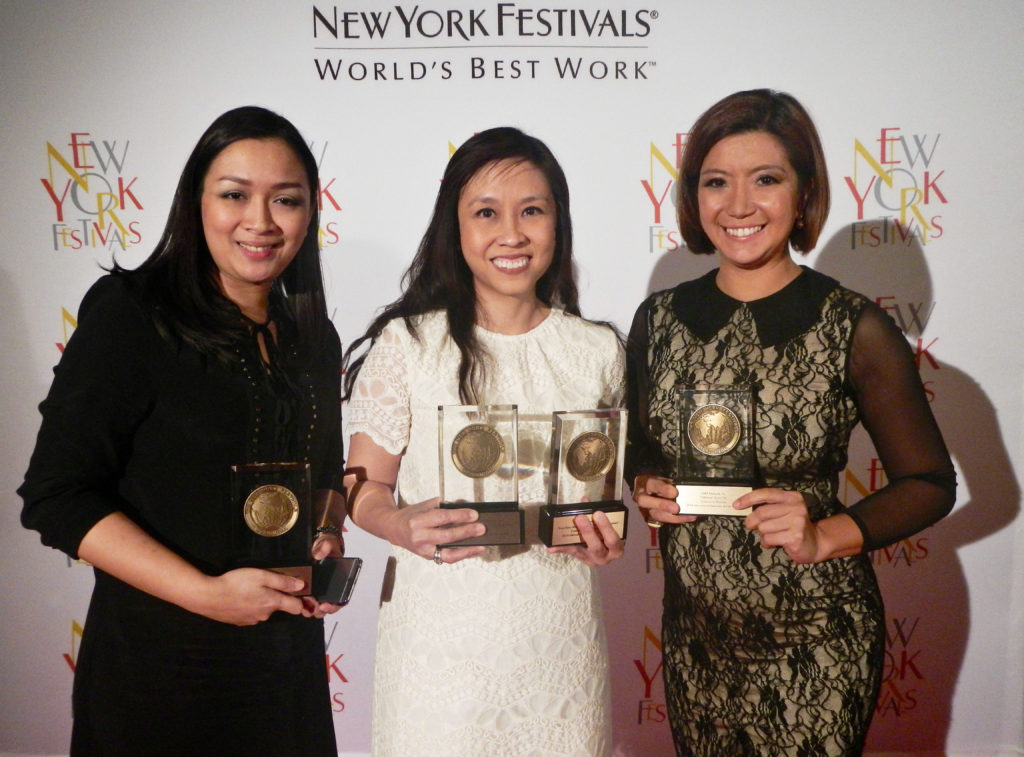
(379, 405)
(643, 452)
(894, 409)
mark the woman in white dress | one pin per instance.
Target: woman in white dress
(483, 650)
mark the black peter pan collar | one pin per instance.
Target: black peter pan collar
(704, 308)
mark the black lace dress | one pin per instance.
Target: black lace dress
(763, 656)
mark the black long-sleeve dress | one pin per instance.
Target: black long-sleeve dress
(763, 656)
(138, 424)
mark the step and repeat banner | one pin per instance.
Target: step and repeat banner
(919, 105)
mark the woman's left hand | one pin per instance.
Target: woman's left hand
(326, 545)
(781, 519)
(601, 544)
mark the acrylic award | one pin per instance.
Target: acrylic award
(587, 451)
(716, 449)
(272, 519)
(478, 455)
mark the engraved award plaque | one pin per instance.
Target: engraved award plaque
(587, 451)
(716, 449)
(478, 453)
(272, 519)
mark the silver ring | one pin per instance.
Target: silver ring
(654, 523)
(437, 556)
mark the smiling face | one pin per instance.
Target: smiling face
(256, 206)
(748, 196)
(507, 223)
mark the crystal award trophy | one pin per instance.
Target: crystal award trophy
(272, 519)
(587, 451)
(716, 449)
(478, 454)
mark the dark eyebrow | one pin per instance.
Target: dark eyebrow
(279, 185)
(756, 169)
(522, 200)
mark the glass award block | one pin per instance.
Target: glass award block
(478, 455)
(587, 452)
(272, 519)
(716, 449)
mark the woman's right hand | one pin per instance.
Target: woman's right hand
(247, 596)
(420, 528)
(370, 483)
(243, 597)
(656, 498)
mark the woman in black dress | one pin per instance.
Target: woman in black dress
(773, 626)
(216, 351)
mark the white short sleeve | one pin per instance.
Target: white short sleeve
(379, 406)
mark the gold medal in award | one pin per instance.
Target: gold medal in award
(590, 456)
(587, 451)
(271, 518)
(713, 430)
(478, 450)
(716, 449)
(479, 468)
(271, 510)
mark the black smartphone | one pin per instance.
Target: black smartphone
(334, 579)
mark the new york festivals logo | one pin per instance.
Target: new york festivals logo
(412, 42)
(897, 181)
(326, 199)
(92, 197)
(650, 708)
(659, 187)
(336, 678)
(900, 672)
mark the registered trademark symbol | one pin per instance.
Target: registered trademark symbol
(654, 14)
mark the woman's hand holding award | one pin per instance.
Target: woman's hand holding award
(272, 520)
(479, 468)
(587, 451)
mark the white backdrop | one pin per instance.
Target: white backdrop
(919, 105)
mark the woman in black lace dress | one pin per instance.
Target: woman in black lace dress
(773, 626)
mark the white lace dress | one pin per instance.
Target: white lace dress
(503, 654)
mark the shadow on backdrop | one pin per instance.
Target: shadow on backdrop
(922, 578)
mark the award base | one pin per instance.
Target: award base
(556, 527)
(503, 521)
(711, 499)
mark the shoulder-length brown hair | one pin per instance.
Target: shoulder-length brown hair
(775, 113)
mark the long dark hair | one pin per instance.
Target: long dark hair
(180, 275)
(440, 279)
(757, 110)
